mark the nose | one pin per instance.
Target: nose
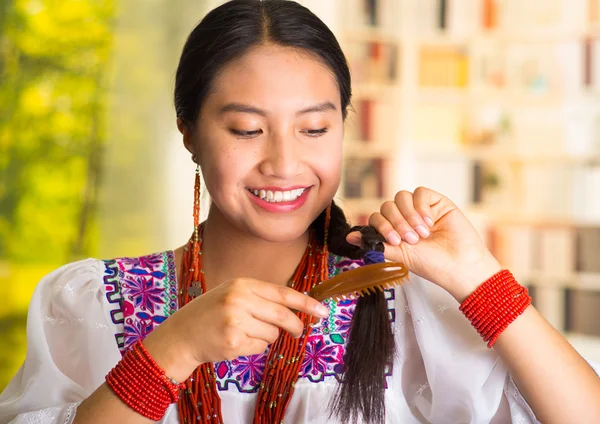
(282, 157)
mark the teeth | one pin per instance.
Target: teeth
(278, 196)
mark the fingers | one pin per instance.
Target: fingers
(276, 315)
(244, 347)
(385, 227)
(406, 203)
(290, 298)
(432, 204)
(423, 201)
(410, 216)
(266, 332)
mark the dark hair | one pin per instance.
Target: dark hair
(227, 33)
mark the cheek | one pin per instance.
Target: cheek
(328, 165)
(221, 169)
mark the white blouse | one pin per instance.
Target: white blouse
(443, 372)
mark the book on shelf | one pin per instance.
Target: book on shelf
(364, 178)
(360, 122)
(377, 14)
(581, 312)
(546, 255)
(587, 248)
(533, 69)
(443, 66)
(370, 122)
(488, 125)
(489, 14)
(496, 187)
(585, 193)
(591, 72)
(551, 69)
(372, 62)
(488, 59)
(446, 17)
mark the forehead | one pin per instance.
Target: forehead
(276, 77)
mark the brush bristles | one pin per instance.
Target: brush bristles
(370, 290)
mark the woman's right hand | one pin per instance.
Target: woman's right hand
(238, 318)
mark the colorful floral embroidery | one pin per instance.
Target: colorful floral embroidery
(324, 350)
(321, 359)
(148, 293)
(113, 295)
(145, 292)
(244, 372)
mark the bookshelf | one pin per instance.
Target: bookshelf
(495, 103)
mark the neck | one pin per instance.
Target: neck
(228, 252)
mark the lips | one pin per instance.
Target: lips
(278, 196)
(274, 199)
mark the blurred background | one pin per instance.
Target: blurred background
(494, 103)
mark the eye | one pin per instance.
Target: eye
(314, 133)
(246, 134)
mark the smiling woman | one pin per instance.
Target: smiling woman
(221, 330)
(277, 115)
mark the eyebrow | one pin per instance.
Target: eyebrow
(239, 107)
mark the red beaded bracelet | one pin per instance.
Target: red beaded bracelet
(495, 305)
(142, 385)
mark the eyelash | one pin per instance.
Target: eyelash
(245, 134)
(316, 133)
(251, 134)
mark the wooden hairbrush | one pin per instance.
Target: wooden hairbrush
(361, 281)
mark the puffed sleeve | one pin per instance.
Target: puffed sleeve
(71, 346)
(447, 374)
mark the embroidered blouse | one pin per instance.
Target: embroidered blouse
(85, 315)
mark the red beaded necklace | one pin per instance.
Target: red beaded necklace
(200, 401)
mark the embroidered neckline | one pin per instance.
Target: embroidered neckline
(143, 292)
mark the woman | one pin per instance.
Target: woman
(261, 95)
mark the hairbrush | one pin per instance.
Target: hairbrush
(361, 281)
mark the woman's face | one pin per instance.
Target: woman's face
(269, 141)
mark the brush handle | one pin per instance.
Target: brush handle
(360, 281)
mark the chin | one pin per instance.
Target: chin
(280, 230)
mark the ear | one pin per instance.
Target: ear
(188, 139)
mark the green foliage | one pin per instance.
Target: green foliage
(12, 334)
(54, 69)
(54, 57)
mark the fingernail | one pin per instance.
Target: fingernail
(394, 238)
(411, 237)
(322, 311)
(429, 221)
(422, 230)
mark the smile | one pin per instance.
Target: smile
(278, 196)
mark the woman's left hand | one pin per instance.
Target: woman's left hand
(433, 238)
